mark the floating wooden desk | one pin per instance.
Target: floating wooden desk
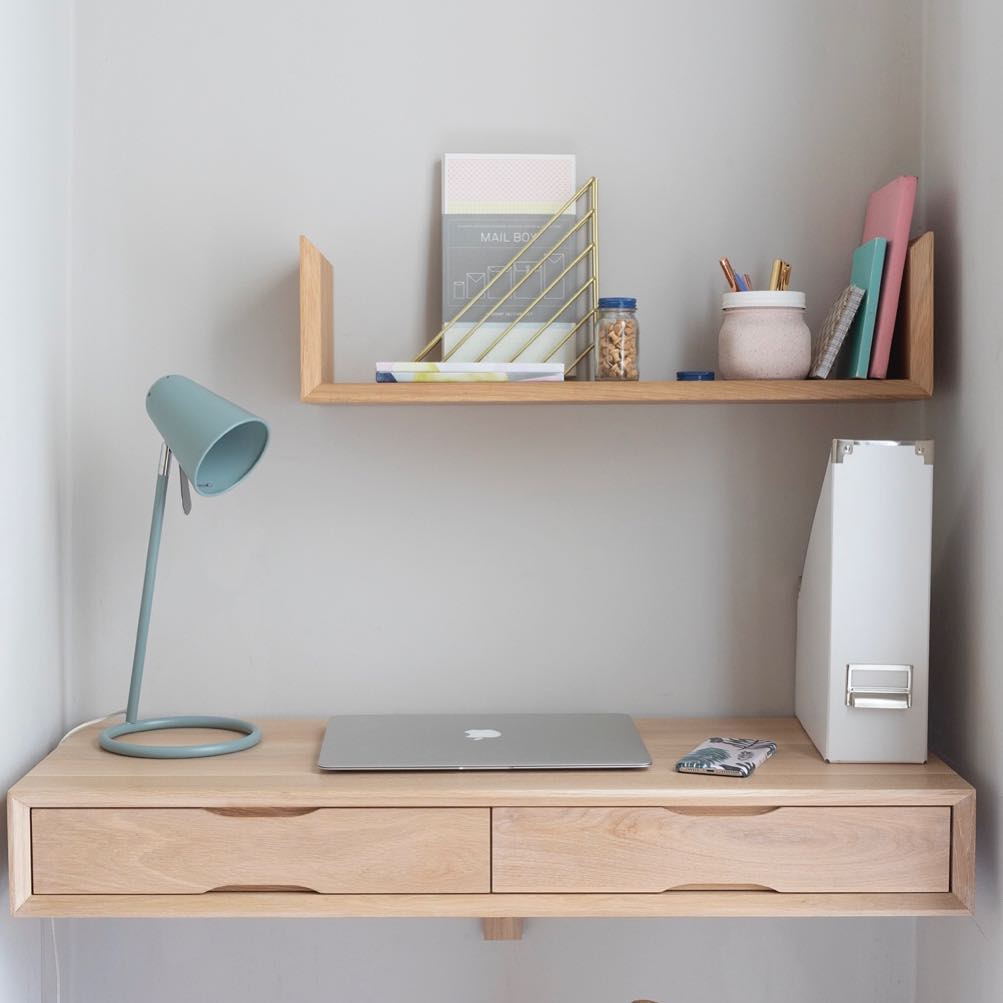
(265, 833)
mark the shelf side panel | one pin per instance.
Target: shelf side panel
(18, 852)
(963, 851)
(912, 347)
(316, 319)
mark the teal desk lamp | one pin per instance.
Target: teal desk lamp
(216, 444)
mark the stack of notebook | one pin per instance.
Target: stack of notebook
(878, 265)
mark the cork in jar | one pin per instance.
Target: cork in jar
(617, 339)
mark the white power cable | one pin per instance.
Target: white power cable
(52, 921)
(87, 724)
(55, 959)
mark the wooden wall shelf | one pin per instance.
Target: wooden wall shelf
(912, 361)
(642, 392)
(265, 833)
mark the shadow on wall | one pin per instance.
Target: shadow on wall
(762, 447)
(433, 276)
(960, 611)
(256, 340)
(957, 715)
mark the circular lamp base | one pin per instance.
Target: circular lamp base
(110, 737)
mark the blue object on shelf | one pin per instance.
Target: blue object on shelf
(695, 374)
(617, 303)
(216, 444)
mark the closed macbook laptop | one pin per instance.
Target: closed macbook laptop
(482, 742)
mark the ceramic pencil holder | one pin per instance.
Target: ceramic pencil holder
(764, 336)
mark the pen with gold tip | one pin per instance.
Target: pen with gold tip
(729, 274)
(775, 273)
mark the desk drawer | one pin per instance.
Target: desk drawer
(191, 850)
(784, 849)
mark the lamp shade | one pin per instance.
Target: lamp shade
(215, 442)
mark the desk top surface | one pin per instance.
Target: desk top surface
(282, 772)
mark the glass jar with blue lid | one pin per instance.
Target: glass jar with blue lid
(616, 338)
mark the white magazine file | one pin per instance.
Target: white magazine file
(861, 690)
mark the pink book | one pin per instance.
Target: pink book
(889, 215)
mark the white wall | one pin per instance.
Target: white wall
(35, 68)
(445, 961)
(438, 558)
(963, 152)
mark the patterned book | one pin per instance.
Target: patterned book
(466, 378)
(730, 757)
(834, 330)
(467, 372)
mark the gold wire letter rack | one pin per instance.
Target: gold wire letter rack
(584, 300)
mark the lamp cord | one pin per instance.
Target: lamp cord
(52, 921)
(87, 724)
(55, 959)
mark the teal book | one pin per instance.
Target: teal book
(868, 264)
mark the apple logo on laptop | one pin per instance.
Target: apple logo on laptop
(479, 734)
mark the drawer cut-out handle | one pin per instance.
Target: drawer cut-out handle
(263, 888)
(724, 812)
(723, 887)
(266, 812)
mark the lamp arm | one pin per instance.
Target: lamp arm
(149, 580)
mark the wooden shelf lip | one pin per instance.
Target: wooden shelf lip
(684, 903)
(641, 392)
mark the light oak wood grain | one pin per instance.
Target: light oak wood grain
(278, 783)
(687, 903)
(785, 850)
(316, 319)
(502, 928)
(18, 852)
(912, 346)
(282, 771)
(639, 392)
(963, 851)
(150, 851)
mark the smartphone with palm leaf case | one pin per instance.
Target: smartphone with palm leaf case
(730, 757)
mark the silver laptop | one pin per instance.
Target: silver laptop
(482, 742)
